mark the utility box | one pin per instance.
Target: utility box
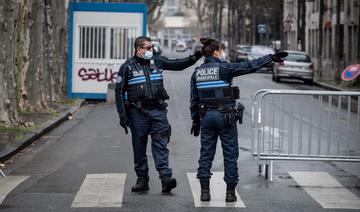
(101, 38)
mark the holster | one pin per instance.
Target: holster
(202, 110)
(127, 107)
(239, 111)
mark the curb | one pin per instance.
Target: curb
(35, 134)
(327, 86)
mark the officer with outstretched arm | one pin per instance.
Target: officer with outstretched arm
(214, 110)
(140, 100)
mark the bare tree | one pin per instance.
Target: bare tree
(358, 49)
(338, 40)
(8, 103)
(253, 21)
(154, 12)
(321, 32)
(301, 22)
(221, 10)
(200, 7)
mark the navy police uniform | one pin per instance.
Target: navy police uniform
(140, 95)
(211, 91)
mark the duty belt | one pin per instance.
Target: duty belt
(151, 104)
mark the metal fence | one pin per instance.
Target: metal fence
(304, 125)
(106, 42)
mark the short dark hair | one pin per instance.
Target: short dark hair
(210, 45)
(139, 41)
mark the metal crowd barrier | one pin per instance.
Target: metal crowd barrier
(304, 125)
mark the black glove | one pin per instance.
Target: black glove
(195, 128)
(278, 57)
(125, 123)
(197, 55)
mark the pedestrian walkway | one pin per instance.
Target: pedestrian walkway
(107, 190)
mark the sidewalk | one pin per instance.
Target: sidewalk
(14, 140)
(332, 85)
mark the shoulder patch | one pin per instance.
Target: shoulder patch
(118, 79)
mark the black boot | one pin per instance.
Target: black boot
(205, 189)
(168, 183)
(142, 184)
(230, 193)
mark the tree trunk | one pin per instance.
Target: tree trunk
(229, 3)
(220, 19)
(36, 86)
(301, 23)
(22, 51)
(358, 29)
(8, 103)
(253, 21)
(320, 50)
(214, 19)
(337, 40)
(58, 37)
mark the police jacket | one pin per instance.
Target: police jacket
(211, 82)
(141, 80)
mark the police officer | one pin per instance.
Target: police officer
(213, 109)
(140, 100)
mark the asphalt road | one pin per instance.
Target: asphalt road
(57, 165)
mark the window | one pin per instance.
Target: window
(93, 43)
(121, 40)
(295, 57)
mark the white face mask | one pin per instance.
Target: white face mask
(223, 56)
(148, 55)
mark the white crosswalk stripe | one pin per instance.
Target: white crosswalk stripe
(107, 190)
(7, 184)
(101, 190)
(217, 191)
(326, 190)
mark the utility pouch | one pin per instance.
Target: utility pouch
(239, 108)
(236, 92)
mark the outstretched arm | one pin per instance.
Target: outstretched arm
(179, 64)
(237, 69)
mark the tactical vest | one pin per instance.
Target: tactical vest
(213, 92)
(145, 85)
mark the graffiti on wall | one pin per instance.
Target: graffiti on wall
(107, 75)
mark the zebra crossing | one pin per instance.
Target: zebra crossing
(107, 190)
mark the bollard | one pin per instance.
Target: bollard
(110, 95)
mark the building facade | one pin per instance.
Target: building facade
(176, 23)
(339, 43)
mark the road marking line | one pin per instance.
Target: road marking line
(8, 183)
(326, 190)
(101, 190)
(217, 191)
